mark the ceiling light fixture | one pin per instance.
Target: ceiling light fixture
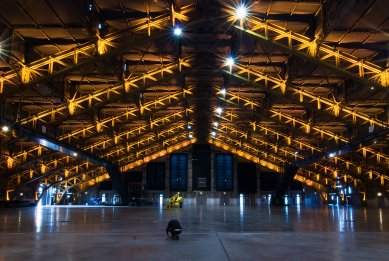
(177, 31)
(230, 61)
(241, 12)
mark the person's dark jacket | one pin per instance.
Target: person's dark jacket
(173, 227)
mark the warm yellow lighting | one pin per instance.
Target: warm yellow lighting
(43, 168)
(71, 107)
(101, 46)
(10, 162)
(324, 53)
(25, 75)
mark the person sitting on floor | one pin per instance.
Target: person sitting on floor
(173, 229)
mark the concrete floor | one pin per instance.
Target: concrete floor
(209, 233)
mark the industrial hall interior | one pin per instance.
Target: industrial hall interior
(229, 116)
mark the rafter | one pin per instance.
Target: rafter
(106, 148)
(105, 95)
(84, 53)
(253, 158)
(279, 153)
(291, 42)
(347, 174)
(109, 122)
(322, 103)
(231, 97)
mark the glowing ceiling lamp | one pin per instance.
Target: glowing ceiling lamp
(219, 110)
(177, 31)
(241, 12)
(230, 61)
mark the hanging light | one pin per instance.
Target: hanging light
(177, 31)
(219, 110)
(230, 61)
(241, 12)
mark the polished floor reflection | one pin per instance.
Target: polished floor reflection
(209, 233)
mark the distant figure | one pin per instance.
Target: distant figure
(173, 229)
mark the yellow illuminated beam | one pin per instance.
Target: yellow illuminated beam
(56, 171)
(87, 182)
(157, 154)
(357, 169)
(125, 116)
(125, 135)
(231, 96)
(380, 157)
(79, 183)
(64, 59)
(337, 159)
(151, 147)
(130, 113)
(322, 102)
(318, 186)
(146, 140)
(306, 126)
(313, 50)
(61, 162)
(306, 180)
(136, 162)
(243, 153)
(258, 141)
(236, 97)
(276, 149)
(104, 95)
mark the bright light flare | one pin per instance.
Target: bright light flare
(219, 110)
(177, 31)
(241, 12)
(223, 92)
(230, 62)
(5, 128)
(216, 124)
(213, 133)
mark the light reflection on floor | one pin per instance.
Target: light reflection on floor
(233, 230)
(288, 218)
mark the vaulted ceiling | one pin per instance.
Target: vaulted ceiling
(86, 83)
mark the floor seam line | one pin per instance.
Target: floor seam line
(224, 249)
